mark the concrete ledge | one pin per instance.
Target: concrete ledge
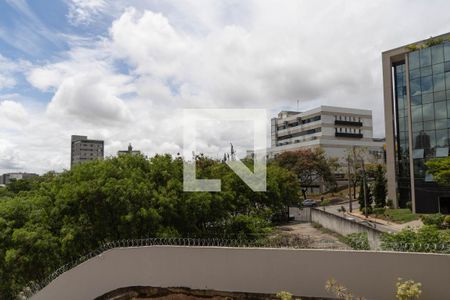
(253, 270)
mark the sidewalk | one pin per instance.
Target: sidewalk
(416, 224)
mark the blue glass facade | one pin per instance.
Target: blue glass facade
(429, 90)
(402, 143)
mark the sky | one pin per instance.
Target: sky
(123, 71)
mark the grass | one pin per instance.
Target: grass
(399, 215)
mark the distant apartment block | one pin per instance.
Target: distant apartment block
(83, 150)
(6, 178)
(416, 82)
(129, 151)
(333, 129)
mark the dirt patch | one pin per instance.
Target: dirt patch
(317, 239)
(155, 293)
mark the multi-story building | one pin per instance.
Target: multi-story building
(6, 178)
(334, 129)
(130, 151)
(83, 149)
(416, 80)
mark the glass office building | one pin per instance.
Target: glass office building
(417, 111)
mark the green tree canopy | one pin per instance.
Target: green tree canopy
(53, 219)
(440, 169)
(310, 166)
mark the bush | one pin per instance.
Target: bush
(434, 219)
(447, 221)
(408, 289)
(369, 210)
(390, 203)
(379, 211)
(358, 241)
(409, 205)
(426, 239)
(325, 202)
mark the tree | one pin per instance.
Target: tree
(440, 169)
(355, 156)
(58, 218)
(362, 203)
(311, 166)
(379, 188)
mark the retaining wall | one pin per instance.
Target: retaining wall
(344, 226)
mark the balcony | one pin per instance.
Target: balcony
(348, 123)
(349, 135)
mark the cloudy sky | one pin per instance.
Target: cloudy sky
(123, 71)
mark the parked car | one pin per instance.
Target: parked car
(309, 203)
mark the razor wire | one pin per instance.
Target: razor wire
(300, 242)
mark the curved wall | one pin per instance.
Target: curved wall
(259, 270)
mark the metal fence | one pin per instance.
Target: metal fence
(297, 242)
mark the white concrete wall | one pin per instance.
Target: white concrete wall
(345, 227)
(302, 272)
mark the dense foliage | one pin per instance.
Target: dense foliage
(427, 239)
(440, 169)
(358, 241)
(48, 221)
(433, 219)
(379, 188)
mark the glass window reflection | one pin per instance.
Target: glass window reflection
(442, 138)
(438, 82)
(425, 57)
(438, 68)
(428, 112)
(440, 110)
(426, 84)
(427, 98)
(447, 51)
(415, 86)
(417, 113)
(437, 53)
(426, 71)
(414, 60)
(441, 124)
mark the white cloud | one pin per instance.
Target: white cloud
(158, 57)
(9, 69)
(149, 43)
(83, 11)
(90, 97)
(12, 115)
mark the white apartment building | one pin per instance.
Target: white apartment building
(83, 149)
(334, 129)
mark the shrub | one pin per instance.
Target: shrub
(284, 295)
(408, 289)
(426, 239)
(379, 211)
(390, 203)
(358, 241)
(369, 210)
(447, 221)
(434, 219)
(325, 202)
